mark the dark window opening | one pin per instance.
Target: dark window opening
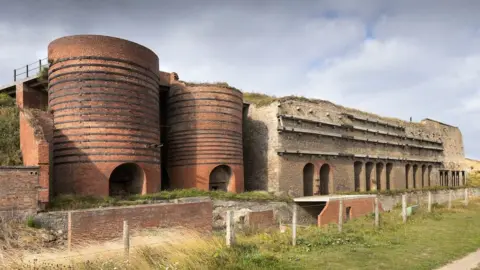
(368, 175)
(324, 179)
(308, 171)
(357, 170)
(126, 179)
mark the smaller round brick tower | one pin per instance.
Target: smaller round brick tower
(104, 94)
(205, 148)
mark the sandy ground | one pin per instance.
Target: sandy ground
(471, 261)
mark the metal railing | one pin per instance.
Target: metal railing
(30, 70)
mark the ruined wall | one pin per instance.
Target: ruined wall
(260, 142)
(331, 139)
(106, 224)
(36, 132)
(18, 191)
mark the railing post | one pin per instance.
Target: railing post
(26, 67)
(377, 214)
(126, 239)
(14, 75)
(294, 225)
(404, 208)
(340, 216)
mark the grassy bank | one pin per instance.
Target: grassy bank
(10, 153)
(70, 202)
(427, 241)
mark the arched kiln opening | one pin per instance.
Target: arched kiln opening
(126, 179)
(220, 178)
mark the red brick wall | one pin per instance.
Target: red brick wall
(260, 219)
(18, 190)
(106, 224)
(359, 207)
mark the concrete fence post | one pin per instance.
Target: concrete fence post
(340, 216)
(404, 207)
(429, 201)
(377, 214)
(126, 239)
(69, 231)
(450, 193)
(294, 225)
(466, 196)
(230, 229)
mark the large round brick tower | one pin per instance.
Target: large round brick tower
(104, 94)
(205, 137)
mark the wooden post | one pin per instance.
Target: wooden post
(230, 229)
(340, 216)
(377, 214)
(450, 192)
(429, 201)
(466, 196)
(294, 225)
(126, 239)
(404, 208)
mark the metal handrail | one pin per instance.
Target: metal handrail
(27, 69)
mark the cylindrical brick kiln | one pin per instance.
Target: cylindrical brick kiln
(205, 137)
(104, 94)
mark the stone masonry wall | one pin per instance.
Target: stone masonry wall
(105, 224)
(18, 191)
(390, 153)
(260, 143)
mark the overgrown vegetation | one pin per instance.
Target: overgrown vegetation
(427, 241)
(473, 179)
(68, 202)
(10, 153)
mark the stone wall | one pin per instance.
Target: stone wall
(292, 133)
(18, 192)
(353, 208)
(107, 223)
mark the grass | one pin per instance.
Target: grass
(403, 191)
(10, 154)
(427, 241)
(473, 179)
(70, 202)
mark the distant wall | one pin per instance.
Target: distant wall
(18, 191)
(106, 224)
(357, 208)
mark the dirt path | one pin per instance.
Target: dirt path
(471, 261)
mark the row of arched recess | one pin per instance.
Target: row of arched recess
(128, 178)
(452, 178)
(373, 179)
(313, 186)
(425, 176)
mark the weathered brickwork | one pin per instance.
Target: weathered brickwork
(18, 191)
(205, 136)
(106, 224)
(317, 147)
(352, 208)
(104, 94)
(260, 219)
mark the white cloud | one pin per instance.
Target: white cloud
(423, 59)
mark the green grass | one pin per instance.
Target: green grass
(473, 179)
(403, 191)
(69, 202)
(426, 241)
(10, 153)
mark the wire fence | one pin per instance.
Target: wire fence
(30, 70)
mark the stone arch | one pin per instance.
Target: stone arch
(414, 175)
(388, 172)
(308, 172)
(368, 175)
(407, 172)
(378, 176)
(125, 179)
(357, 170)
(429, 175)
(424, 169)
(220, 178)
(324, 178)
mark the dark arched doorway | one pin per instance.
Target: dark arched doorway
(368, 175)
(378, 177)
(324, 177)
(357, 170)
(308, 171)
(126, 179)
(220, 178)
(389, 172)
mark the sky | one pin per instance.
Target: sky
(403, 59)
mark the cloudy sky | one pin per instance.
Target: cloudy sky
(396, 58)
